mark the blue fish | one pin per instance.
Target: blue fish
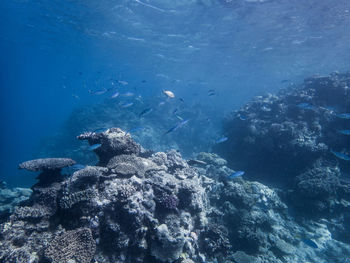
(95, 146)
(236, 174)
(344, 116)
(115, 94)
(126, 104)
(309, 242)
(242, 117)
(145, 111)
(340, 155)
(222, 139)
(98, 92)
(177, 126)
(305, 106)
(128, 94)
(345, 132)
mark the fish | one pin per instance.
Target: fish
(98, 92)
(115, 94)
(222, 139)
(145, 111)
(344, 116)
(211, 92)
(340, 155)
(177, 126)
(305, 106)
(95, 146)
(309, 242)
(181, 99)
(169, 93)
(345, 132)
(174, 111)
(127, 94)
(123, 82)
(177, 116)
(236, 174)
(242, 117)
(75, 96)
(194, 161)
(126, 104)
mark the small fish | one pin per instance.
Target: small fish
(340, 155)
(177, 116)
(98, 92)
(197, 162)
(174, 111)
(75, 96)
(100, 130)
(345, 132)
(126, 104)
(344, 116)
(181, 99)
(177, 126)
(95, 146)
(222, 139)
(161, 103)
(284, 81)
(309, 242)
(305, 106)
(123, 82)
(242, 117)
(145, 111)
(211, 92)
(169, 93)
(127, 94)
(236, 174)
(115, 94)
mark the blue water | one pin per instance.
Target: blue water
(53, 52)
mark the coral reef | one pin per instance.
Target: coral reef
(297, 141)
(277, 137)
(139, 206)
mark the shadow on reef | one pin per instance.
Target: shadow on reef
(138, 206)
(298, 141)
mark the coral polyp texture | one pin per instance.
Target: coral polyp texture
(138, 206)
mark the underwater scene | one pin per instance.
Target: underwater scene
(175, 131)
